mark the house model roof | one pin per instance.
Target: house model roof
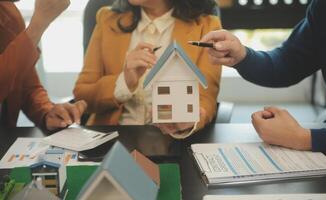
(47, 163)
(46, 160)
(120, 164)
(174, 47)
(149, 167)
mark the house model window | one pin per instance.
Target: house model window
(163, 90)
(190, 108)
(164, 111)
(189, 89)
(175, 89)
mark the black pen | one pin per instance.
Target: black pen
(156, 48)
(201, 44)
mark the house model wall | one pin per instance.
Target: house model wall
(174, 81)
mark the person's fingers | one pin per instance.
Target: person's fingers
(144, 45)
(215, 36)
(258, 122)
(147, 57)
(257, 117)
(267, 115)
(213, 60)
(184, 126)
(54, 122)
(217, 54)
(73, 112)
(62, 113)
(273, 110)
(141, 64)
(228, 61)
(165, 130)
(81, 106)
(227, 45)
(142, 60)
(162, 128)
(168, 128)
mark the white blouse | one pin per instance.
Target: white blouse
(138, 104)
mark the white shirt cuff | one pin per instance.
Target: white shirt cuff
(121, 90)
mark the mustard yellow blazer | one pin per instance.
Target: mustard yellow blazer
(105, 58)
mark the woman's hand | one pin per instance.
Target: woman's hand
(175, 128)
(137, 62)
(179, 128)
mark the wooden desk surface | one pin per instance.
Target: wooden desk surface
(161, 148)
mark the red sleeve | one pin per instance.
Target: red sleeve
(17, 56)
(36, 100)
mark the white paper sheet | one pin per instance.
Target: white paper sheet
(78, 139)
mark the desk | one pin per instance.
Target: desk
(150, 141)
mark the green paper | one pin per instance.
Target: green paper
(170, 187)
(78, 175)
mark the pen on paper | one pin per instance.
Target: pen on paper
(201, 44)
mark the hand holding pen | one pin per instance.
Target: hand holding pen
(137, 62)
(224, 48)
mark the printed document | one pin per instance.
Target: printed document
(245, 162)
(78, 139)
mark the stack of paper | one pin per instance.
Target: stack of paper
(77, 139)
(249, 162)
